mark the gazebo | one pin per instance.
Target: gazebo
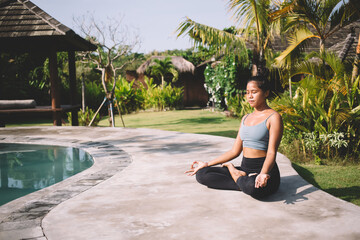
(24, 27)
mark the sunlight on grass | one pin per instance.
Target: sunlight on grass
(189, 121)
(341, 181)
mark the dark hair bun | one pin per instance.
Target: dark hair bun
(262, 83)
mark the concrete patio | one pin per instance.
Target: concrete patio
(137, 189)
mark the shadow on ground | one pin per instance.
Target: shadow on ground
(292, 189)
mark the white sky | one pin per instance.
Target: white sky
(155, 20)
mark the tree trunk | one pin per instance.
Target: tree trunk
(162, 81)
(322, 45)
(355, 72)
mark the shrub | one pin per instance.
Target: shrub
(85, 117)
(166, 98)
(94, 95)
(224, 80)
(238, 106)
(128, 98)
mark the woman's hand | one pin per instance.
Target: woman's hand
(196, 166)
(228, 164)
(261, 180)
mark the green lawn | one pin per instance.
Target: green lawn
(189, 121)
(340, 181)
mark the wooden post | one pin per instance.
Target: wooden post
(73, 95)
(54, 81)
(83, 92)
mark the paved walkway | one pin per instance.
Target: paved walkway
(137, 190)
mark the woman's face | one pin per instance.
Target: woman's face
(254, 95)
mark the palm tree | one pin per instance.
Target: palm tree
(331, 97)
(258, 30)
(355, 4)
(309, 19)
(163, 68)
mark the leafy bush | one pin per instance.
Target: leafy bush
(128, 98)
(161, 98)
(238, 106)
(225, 80)
(94, 95)
(327, 113)
(86, 117)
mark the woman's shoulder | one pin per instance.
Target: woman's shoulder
(274, 116)
(245, 116)
(274, 113)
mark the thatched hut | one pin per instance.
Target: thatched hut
(194, 91)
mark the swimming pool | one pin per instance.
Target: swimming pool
(26, 168)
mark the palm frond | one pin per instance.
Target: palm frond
(343, 14)
(297, 43)
(252, 14)
(204, 35)
(285, 9)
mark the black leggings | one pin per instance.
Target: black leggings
(220, 178)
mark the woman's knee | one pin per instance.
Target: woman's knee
(247, 186)
(200, 175)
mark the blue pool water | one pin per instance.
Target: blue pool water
(25, 168)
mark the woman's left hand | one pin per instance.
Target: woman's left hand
(261, 180)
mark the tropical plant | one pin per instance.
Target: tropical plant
(306, 20)
(127, 98)
(162, 68)
(85, 117)
(258, 31)
(325, 103)
(94, 94)
(223, 80)
(238, 106)
(161, 98)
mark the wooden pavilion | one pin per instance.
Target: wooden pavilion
(24, 27)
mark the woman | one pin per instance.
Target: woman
(258, 138)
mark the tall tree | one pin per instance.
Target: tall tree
(355, 5)
(307, 20)
(163, 68)
(258, 30)
(114, 42)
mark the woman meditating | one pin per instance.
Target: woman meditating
(258, 138)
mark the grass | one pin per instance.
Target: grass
(189, 121)
(340, 181)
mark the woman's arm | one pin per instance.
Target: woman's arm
(275, 134)
(231, 154)
(225, 157)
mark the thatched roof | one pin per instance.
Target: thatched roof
(180, 64)
(24, 27)
(345, 48)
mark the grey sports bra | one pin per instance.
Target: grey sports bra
(255, 137)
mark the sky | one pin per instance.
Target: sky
(155, 21)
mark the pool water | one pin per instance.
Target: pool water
(26, 168)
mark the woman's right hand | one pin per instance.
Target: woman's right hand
(196, 166)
